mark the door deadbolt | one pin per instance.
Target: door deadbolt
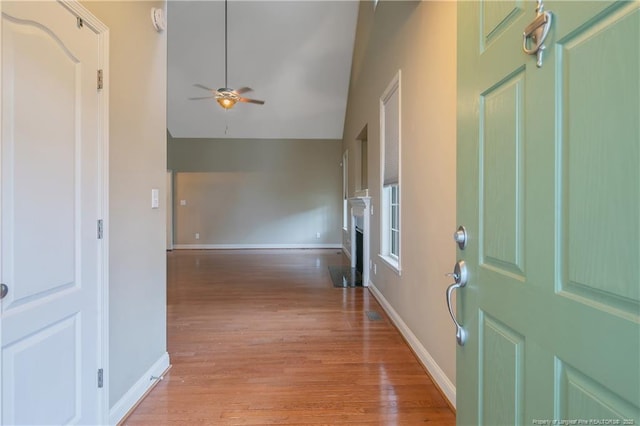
(460, 237)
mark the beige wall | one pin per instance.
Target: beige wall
(256, 192)
(137, 163)
(418, 38)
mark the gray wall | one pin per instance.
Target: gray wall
(419, 38)
(256, 192)
(137, 163)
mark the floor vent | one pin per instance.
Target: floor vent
(373, 316)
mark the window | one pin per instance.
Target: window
(394, 226)
(390, 223)
(345, 190)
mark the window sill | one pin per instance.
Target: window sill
(391, 263)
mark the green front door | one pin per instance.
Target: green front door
(549, 191)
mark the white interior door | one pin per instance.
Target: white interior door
(52, 198)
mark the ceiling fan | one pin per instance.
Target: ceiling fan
(226, 96)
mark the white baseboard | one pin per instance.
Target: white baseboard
(254, 246)
(441, 379)
(137, 391)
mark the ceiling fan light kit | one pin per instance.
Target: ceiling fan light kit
(225, 96)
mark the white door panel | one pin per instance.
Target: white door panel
(51, 201)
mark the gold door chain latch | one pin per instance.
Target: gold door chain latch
(536, 32)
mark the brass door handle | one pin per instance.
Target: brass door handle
(537, 32)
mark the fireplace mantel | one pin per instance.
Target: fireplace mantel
(359, 205)
(361, 208)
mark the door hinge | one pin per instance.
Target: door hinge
(100, 229)
(100, 79)
(100, 378)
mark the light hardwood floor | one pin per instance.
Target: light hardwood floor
(262, 337)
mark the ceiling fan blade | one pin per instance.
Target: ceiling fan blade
(251, 101)
(202, 97)
(204, 87)
(242, 90)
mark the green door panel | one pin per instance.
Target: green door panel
(549, 191)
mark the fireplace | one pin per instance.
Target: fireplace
(360, 233)
(359, 249)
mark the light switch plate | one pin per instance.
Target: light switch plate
(155, 198)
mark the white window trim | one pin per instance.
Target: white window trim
(393, 262)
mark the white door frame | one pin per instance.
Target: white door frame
(169, 204)
(102, 32)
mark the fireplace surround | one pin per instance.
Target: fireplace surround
(360, 218)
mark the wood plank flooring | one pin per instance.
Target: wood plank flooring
(263, 337)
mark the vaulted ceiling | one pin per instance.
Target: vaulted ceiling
(296, 55)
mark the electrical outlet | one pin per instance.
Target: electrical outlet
(183, 202)
(197, 236)
(317, 235)
(370, 264)
(375, 269)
